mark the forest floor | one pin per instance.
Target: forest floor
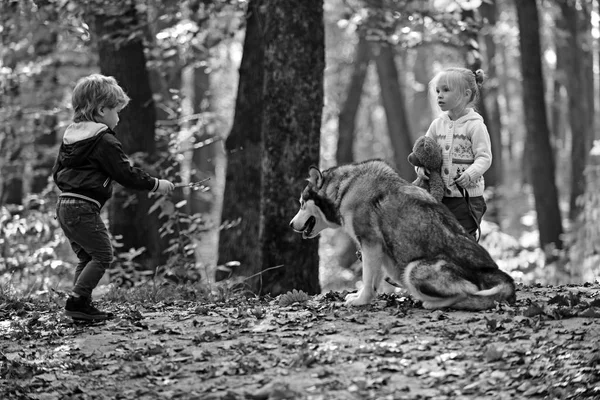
(545, 346)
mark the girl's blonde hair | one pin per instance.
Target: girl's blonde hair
(93, 92)
(457, 78)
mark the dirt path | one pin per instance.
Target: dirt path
(546, 346)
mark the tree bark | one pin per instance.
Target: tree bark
(395, 109)
(421, 114)
(494, 176)
(203, 158)
(293, 101)
(504, 89)
(347, 117)
(123, 58)
(558, 104)
(578, 46)
(241, 198)
(541, 167)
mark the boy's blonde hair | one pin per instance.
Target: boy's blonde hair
(457, 78)
(93, 92)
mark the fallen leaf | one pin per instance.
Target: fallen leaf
(590, 312)
(533, 310)
(493, 353)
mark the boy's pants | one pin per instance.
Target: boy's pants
(80, 221)
(458, 206)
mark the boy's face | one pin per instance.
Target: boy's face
(109, 116)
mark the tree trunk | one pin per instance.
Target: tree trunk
(293, 89)
(347, 117)
(241, 198)
(123, 58)
(204, 153)
(558, 104)
(395, 109)
(541, 166)
(421, 114)
(596, 135)
(347, 127)
(474, 62)
(580, 105)
(504, 89)
(494, 176)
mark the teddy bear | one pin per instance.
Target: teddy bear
(427, 153)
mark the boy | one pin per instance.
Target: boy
(89, 159)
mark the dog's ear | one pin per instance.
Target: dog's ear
(315, 177)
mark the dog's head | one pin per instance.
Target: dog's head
(316, 211)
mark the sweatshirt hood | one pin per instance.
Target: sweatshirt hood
(80, 131)
(471, 115)
(78, 142)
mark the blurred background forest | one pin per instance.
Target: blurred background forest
(245, 95)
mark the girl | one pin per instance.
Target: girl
(465, 143)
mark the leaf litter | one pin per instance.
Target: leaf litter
(297, 346)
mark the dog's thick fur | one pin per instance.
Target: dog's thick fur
(402, 229)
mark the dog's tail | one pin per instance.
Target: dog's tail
(441, 284)
(503, 292)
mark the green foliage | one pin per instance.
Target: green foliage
(410, 23)
(154, 292)
(292, 297)
(180, 230)
(30, 241)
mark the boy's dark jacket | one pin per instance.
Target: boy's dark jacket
(90, 158)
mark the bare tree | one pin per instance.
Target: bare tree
(541, 166)
(294, 43)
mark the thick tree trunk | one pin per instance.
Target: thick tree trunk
(541, 167)
(395, 109)
(293, 90)
(241, 198)
(347, 117)
(580, 105)
(124, 59)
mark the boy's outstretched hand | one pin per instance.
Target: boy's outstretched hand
(164, 186)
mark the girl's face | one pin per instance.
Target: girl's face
(109, 116)
(450, 97)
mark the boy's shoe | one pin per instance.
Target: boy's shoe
(81, 308)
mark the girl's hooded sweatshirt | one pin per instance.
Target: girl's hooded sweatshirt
(466, 149)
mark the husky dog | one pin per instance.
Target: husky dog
(402, 230)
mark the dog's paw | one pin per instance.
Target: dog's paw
(357, 299)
